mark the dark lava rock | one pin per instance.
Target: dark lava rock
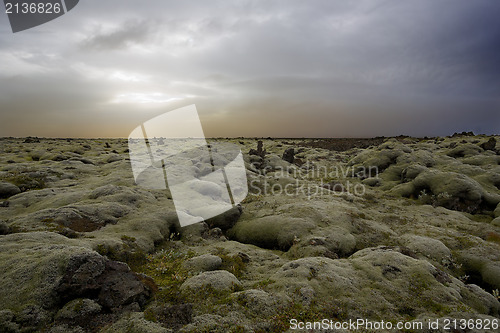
(110, 283)
(289, 155)
(227, 219)
(260, 151)
(490, 144)
(456, 134)
(342, 144)
(8, 190)
(174, 316)
(31, 140)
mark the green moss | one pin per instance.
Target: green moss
(128, 252)
(493, 237)
(315, 312)
(126, 238)
(465, 242)
(206, 299)
(78, 305)
(26, 180)
(485, 218)
(234, 264)
(263, 284)
(150, 315)
(166, 268)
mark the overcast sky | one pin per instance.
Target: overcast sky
(256, 68)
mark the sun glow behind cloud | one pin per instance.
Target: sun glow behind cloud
(330, 68)
(144, 98)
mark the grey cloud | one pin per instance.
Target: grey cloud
(131, 32)
(254, 67)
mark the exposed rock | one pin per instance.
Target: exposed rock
(490, 144)
(48, 270)
(31, 140)
(464, 133)
(289, 155)
(227, 219)
(260, 153)
(110, 282)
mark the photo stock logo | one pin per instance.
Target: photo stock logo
(26, 14)
(170, 152)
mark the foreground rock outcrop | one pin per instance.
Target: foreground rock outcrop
(49, 272)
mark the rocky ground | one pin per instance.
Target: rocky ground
(393, 229)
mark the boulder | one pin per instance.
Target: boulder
(261, 303)
(113, 158)
(451, 190)
(218, 281)
(373, 279)
(47, 270)
(4, 228)
(81, 218)
(334, 242)
(227, 219)
(78, 310)
(372, 181)
(271, 232)
(111, 283)
(289, 155)
(412, 171)
(203, 263)
(490, 144)
(429, 247)
(7, 190)
(465, 150)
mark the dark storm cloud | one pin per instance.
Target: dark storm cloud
(284, 68)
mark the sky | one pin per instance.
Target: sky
(256, 68)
